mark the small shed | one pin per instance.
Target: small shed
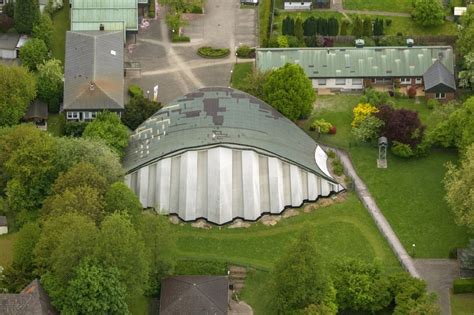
(3, 225)
(305, 5)
(8, 45)
(439, 82)
(37, 113)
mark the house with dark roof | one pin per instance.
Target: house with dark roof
(32, 300)
(194, 295)
(429, 69)
(93, 74)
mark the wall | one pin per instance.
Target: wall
(8, 54)
(3, 230)
(331, 84)
(449, 97)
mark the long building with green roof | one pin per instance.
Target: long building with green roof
(221, 154)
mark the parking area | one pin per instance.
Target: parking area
(175, 67)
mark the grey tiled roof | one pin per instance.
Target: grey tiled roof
(438, 75)
(219, 116)
(9, 41)
(37, 109)
(33, 300)
(95, 56)
(194, 295)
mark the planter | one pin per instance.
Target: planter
(213, 53)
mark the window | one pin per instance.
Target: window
(322, 82)
(418, 80)
(356, 81)
(405, 80)
(72, 115)
(373, 80)
(440, 96)
(340, 81)
(93, 115)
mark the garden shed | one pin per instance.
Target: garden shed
(220, 154)
(8, 45)
(37, 113)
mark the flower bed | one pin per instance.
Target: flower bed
(210, 52)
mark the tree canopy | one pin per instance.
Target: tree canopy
(120, 198)
(428, 12)
(17, 90)
(50, 84)
(43, 29)
(27, 13)
(289, 90)
(137, 110)
(33, 53)
(108, 128)
(465, 42)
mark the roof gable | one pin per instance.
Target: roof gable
(94, 57)
(438, 78)
(31, 300)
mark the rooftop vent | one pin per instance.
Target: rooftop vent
(410, 42)
(360, 43)
(91, 86)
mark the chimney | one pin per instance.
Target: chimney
(360, 43)
(410, 42)
(91, 86)
(101, 27)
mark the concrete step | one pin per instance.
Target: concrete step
(237, 269)
(237, 277)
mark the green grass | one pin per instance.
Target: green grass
(61, 24)
(343, 229)
(256, 292)
(404, 25)
(56, 124)
(379, 5)
(240, 71)
(6, 249)
(138, 305)
(462, 304)
(410, 192)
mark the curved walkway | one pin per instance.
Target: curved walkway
(382, 223)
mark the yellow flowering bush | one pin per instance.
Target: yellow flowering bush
(361, 111)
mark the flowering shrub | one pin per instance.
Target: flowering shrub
(361, 111)
(368, 129)
(402, 150)
(321, 125)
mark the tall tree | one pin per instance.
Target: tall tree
(367, 27)
(50, 84)
(253, 83)
(466, 76)
(43, 29)
(358, 27)
(465, 42)
(289, 90)
(120, 198)
(300, 279)
(459, 185)
(139, 109)
(108, 127)
(345, 27)
(33, 53)
(333, 26)
(428, 12)
(27, 13)
(17, 90)
(80, 175)
(299, 32)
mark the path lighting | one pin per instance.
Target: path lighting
(413, 246)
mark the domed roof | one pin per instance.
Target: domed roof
(225, 117)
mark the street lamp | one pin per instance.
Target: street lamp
(413, 246)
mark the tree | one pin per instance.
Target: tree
(368, 129)
(26, 14)
(459, 185)
(175, 22)
(282, 41)
(50, 84)
(139, 109)
(378, 27)
(333, 26)
(309, 26)
(322, 26)
(374, 97)
(345, 27)
(465, 42)
(300, 279)
(467, 256)
(466, 76)
(360, 286)
(108, 127)
(367, 27)
(17, 90)
(253, 83)
(299, 32)
(120, 246)
(95, 289)
(289, 90)
(33, 53)
(288, 26)
(22, 270)
(80, 175)
(428, 12)
(159, 241)
(43, 29)
(120, 198)
(71, 151)
(358, 27)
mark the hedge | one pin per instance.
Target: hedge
(210, 52)
(200, 267)
(265, 13)
(463, 286)
(180, 39)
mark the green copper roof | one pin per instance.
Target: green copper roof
(87, 15)
(339, 62)
(218, 116)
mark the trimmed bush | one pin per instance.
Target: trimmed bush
(200, 267)
(463, 286)
(321, 125)
(432, 103)
(180, 38)
(135, 91)
(74, 129)
(331, 154)
(265, 12)
(402, 150)
(337, 167)
(411, 92)
(210, 52)
(196, 9)
(245, 51)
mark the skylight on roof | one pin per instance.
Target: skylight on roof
(113, 53)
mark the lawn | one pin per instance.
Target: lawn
(61, 24)
(462, 304)
(403, 25)
(343, 229)
(410, 192)
(6, 249)
(379, 5)
(240, 71)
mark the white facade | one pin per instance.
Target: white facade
(3, 230)
(8, 53)
(305, 5)
(221, 184)
(338, 84)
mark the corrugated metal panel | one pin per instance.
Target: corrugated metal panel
(237, 183)
(357, 62)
